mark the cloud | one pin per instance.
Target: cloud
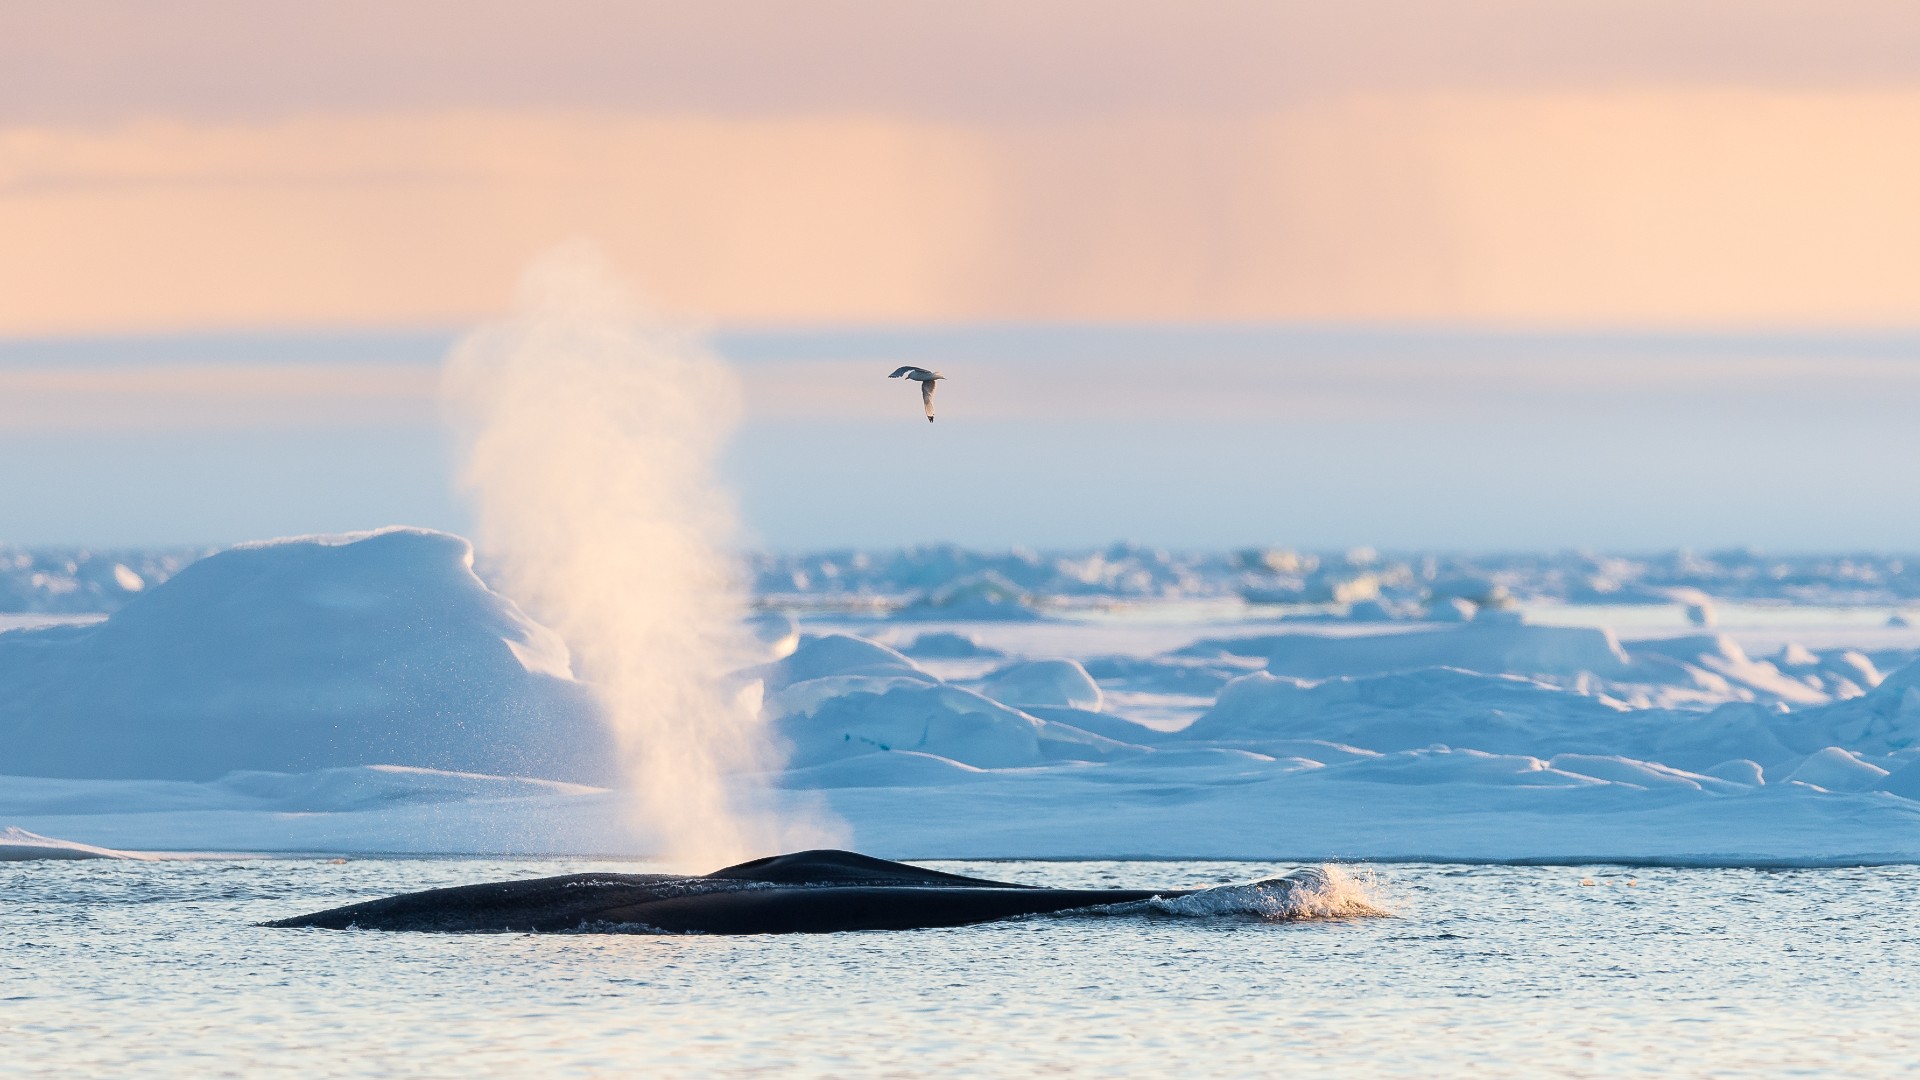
(1668, 208)
(987, 61)
(213, 397)
(814, 380)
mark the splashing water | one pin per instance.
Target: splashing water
(590, 434)
(1313, 892)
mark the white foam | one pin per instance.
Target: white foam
(1328, 891)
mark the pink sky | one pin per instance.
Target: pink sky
(986, 61)
(207, 165)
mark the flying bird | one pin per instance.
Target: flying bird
(926, 380)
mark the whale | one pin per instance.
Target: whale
(806, 892)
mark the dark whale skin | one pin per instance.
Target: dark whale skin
(808, 892)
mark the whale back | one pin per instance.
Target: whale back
(821, 891)
(828, 866)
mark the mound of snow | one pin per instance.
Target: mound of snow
(1476, 590)
(1688, 671)
(1716, 662)
(899, 769)
(1445, 765)
(1698, 741)
(1166, 675)
(1106, 725)
(1044, 682)
(984, 597)
(297, 655)
(77, 581)
(1362, 611)
(1509, 647)
(1504, 713)
(944, 721)
(1901, 679)
(947, 645)
(840, 696)
(1743, 771)
(1645, 774)
(1332, 587)
(830, 655)
(19, 845)
(1904, 781)
(1378, 611)
(1288, 590)
(1844, 673)
(775, 632)
(1886, 719)
(1835, 769)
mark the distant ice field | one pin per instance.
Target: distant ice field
(371, 693)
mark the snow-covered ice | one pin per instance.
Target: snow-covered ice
(301, 654)
(371, 693)
(19, 845)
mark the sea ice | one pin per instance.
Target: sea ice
(1836, 770)
(18, 845)
(1044, 682)
(1493, 647)
(376, 648)
(948, 645)
(370, 693)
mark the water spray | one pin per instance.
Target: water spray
(591, 433)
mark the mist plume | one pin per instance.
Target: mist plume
(590, 433)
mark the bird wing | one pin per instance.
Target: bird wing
(906, 369)
(926, 396)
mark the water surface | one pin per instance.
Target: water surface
(120, 968)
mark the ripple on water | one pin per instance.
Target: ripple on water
(158, 968)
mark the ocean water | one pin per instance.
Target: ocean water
(158, 969)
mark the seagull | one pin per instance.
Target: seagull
(926, 380)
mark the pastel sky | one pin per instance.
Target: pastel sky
(220, 163)
(227, 227)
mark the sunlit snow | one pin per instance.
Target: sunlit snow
(371, 693)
